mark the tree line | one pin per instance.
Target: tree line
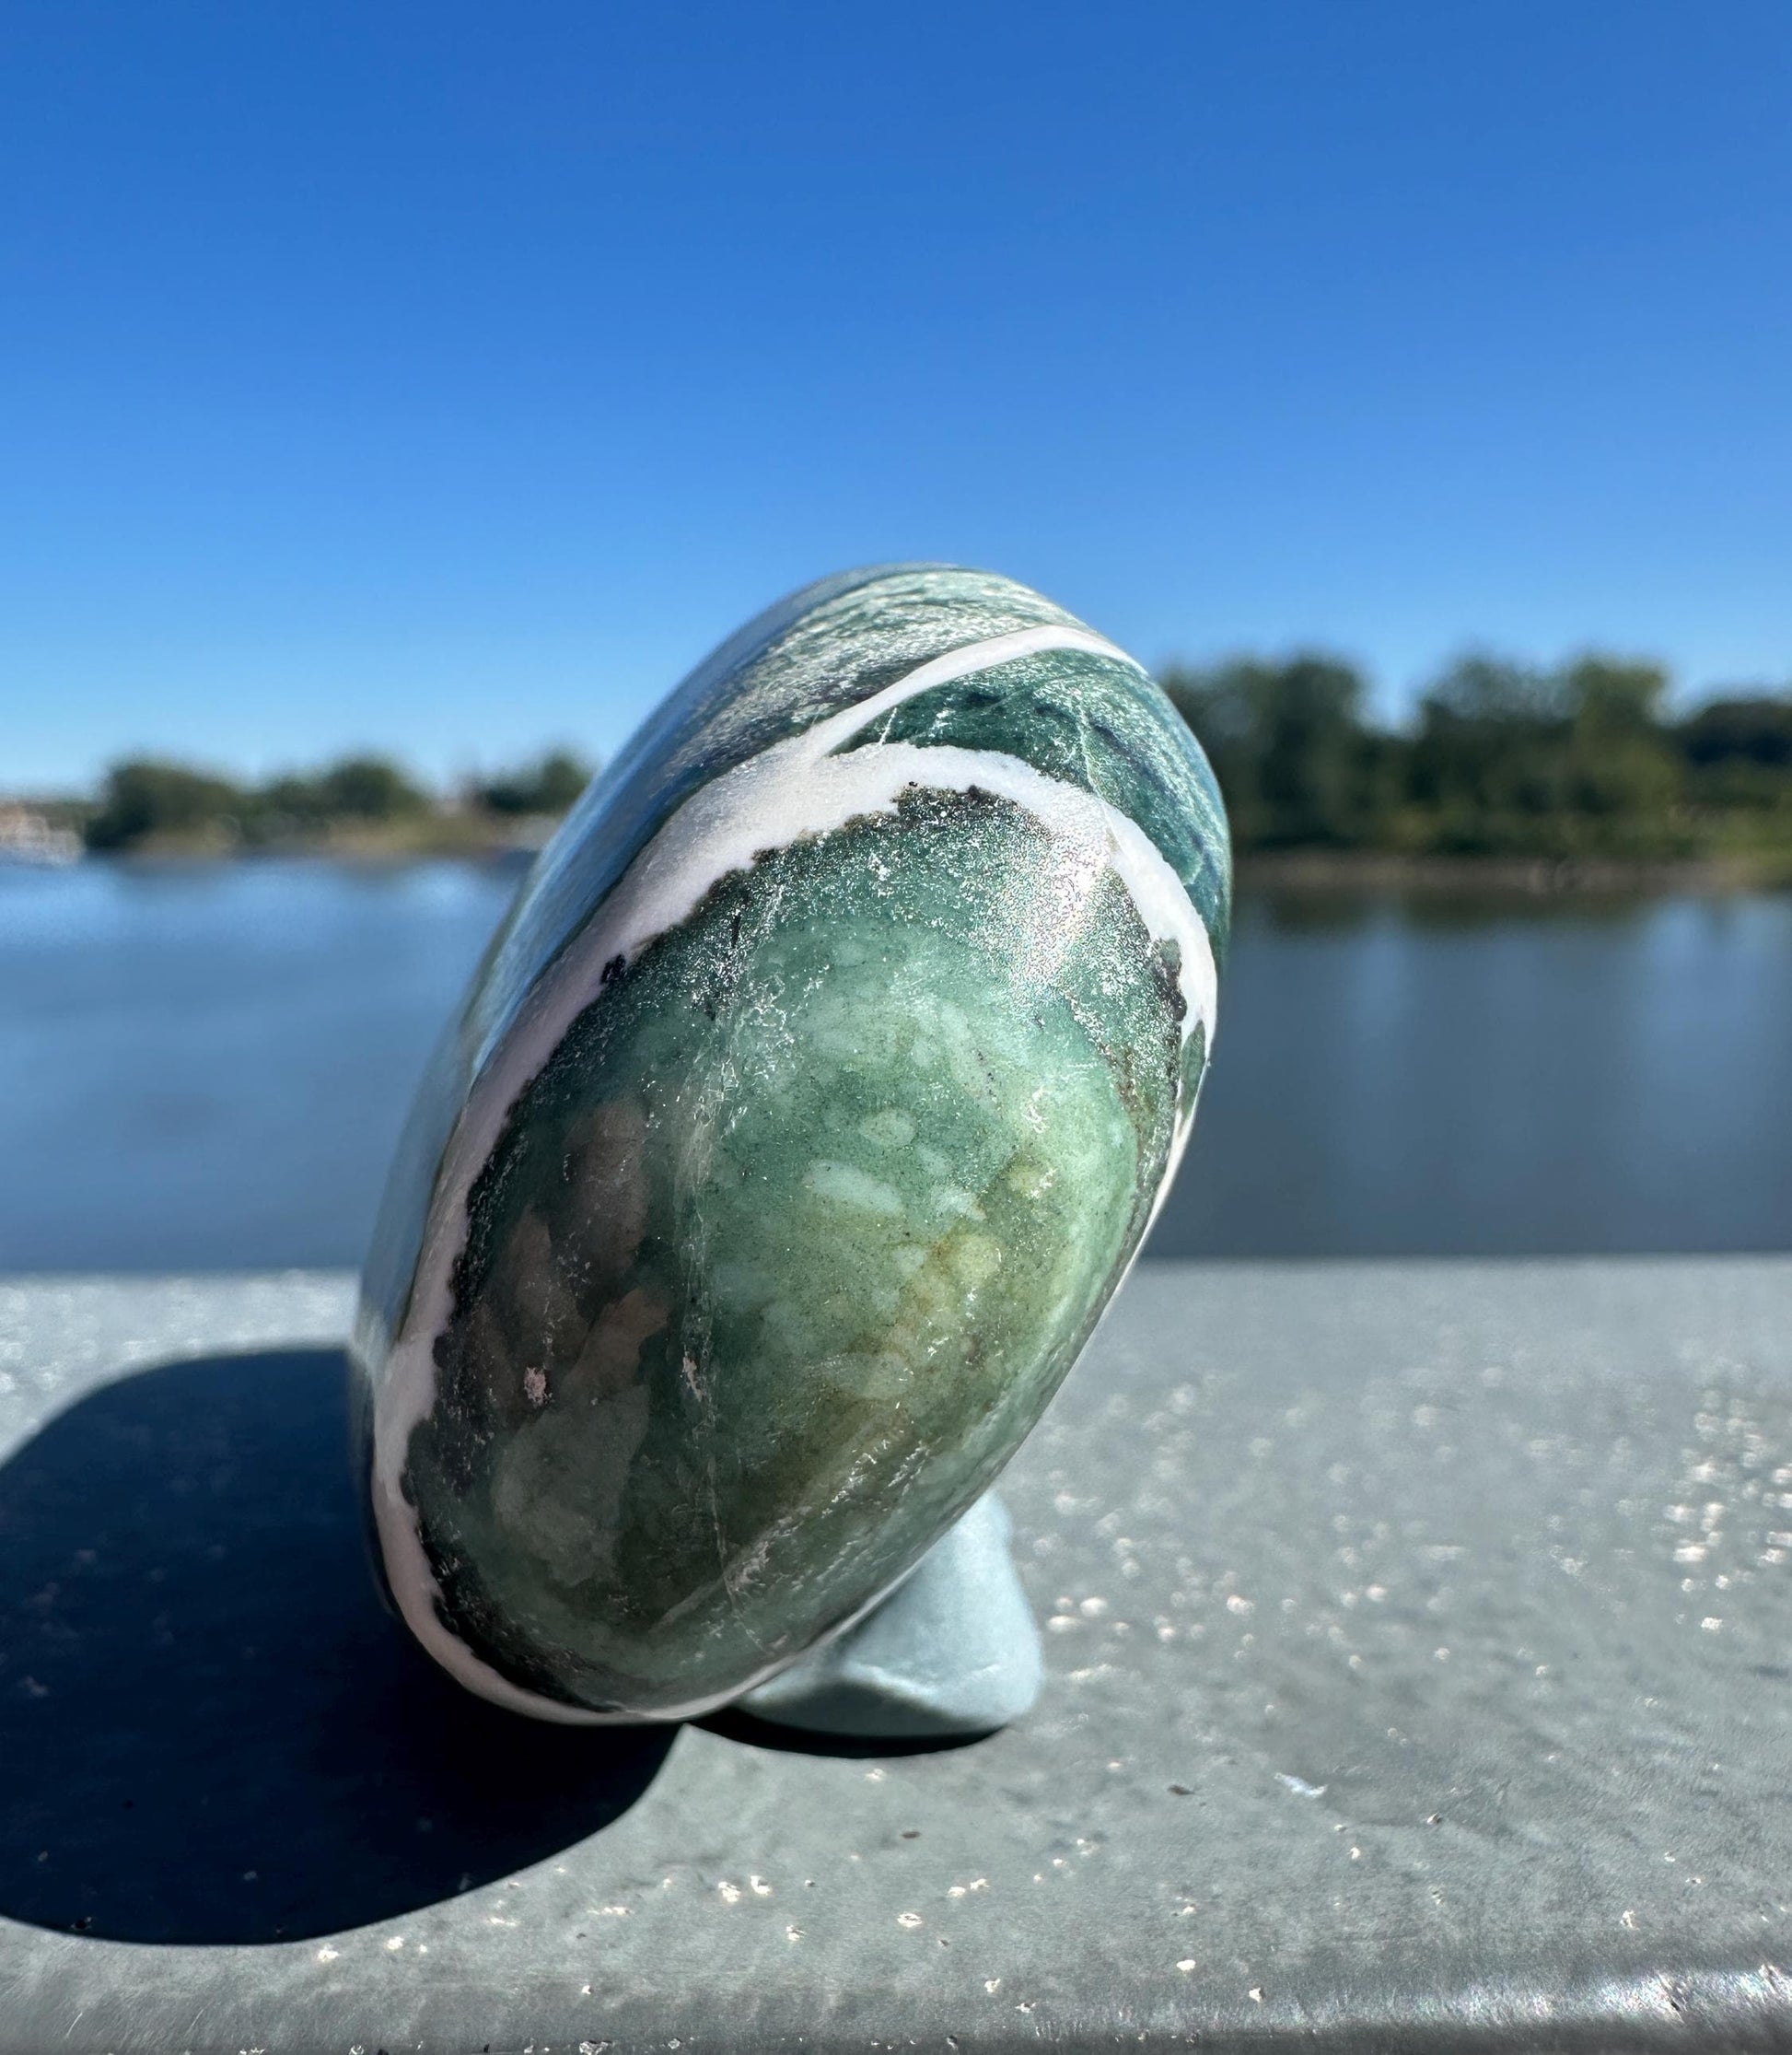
(1502, 759)
(149, 800)
(1584, 760)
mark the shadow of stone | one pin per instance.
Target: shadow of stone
(210, 1729)
(731, 1724)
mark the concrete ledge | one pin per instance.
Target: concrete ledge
(1420, 1678)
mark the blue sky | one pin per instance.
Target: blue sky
(448, 379)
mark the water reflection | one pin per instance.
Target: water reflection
(1497, 1076)
(206, 1067)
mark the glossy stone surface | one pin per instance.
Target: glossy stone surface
(807, 1109)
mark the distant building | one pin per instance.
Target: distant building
(28, 837)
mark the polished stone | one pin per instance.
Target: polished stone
(807, 1111)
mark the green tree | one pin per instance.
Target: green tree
(146, 797)
(1487, 771)
(1612, 697)
(356, 789)
(550, 786)
(1289, 747)
(1626, 782)
(1752, 729)
(1511, 760)
(368, 789)
(1737, 754)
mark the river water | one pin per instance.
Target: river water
(206, 1067)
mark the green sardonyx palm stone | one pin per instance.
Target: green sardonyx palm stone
(803, 1118)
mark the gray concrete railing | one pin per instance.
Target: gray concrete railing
(1420, 1678)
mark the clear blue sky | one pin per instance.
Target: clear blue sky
(449, 378)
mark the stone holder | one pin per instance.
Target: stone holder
(953, 1650)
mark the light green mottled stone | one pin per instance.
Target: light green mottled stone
(786, 1245)
(799, 1230)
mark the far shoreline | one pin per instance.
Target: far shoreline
(1351, 872)
(1318, 873)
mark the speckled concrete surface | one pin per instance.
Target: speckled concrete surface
(1419, 1678)
(61, 1337)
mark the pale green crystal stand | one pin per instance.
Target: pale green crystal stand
(953, 1650)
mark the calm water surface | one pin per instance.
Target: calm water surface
(206, 1068)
